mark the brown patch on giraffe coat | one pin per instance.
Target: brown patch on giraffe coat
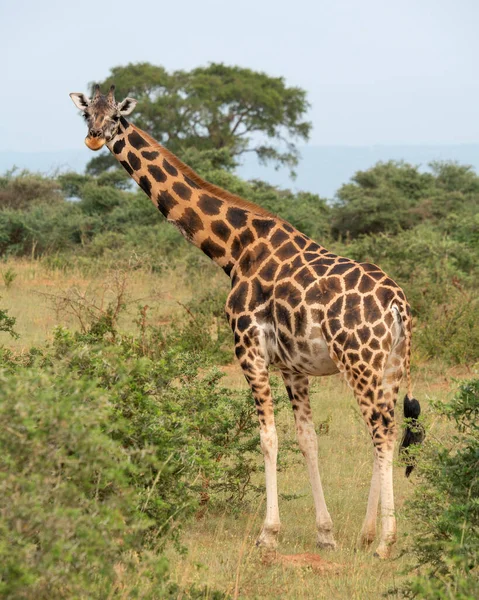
(259, 294)
(244, 322)
(334, 326)
(252, 258)
(222, 230)
(126, 166)
(351, 278)
(193, 184)
(237, 298)
(150, 155)
(118, 146)
(372, 312)
(364, 333)
(166, 202)
(352, 310)
(288, 292)
(286, 251)
(157, 173)
(137, 141)
(169, 168)
(269, 270)
(209, 204)
(286, 344)
(278, 238)
(379, 330)
(134, 161)
(366, 284)
(212, 249)
(236, 217)
(287, 270)
(283, 315)
(341, 268)
(300, 321)
(235, 248)
(324, 291)
(304, 277)
(336, 308)
(246, 238)
(263, 227)
(366, 354)
(190, 222)
(145, 184)
(300, 241)
(183, 191)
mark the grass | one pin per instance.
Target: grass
(221, 552)
(30, 298)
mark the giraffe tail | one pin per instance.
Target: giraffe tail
(413, 433)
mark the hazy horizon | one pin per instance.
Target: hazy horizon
(322, 169)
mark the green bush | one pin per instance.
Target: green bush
(99, 199)
(444, 511)
(449, 330)
(45, 229)
(201, 431)
(108, 443)
(394, 196)
(20, 191)
(72, 524)
(7, 324)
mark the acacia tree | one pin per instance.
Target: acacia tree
(217, 107)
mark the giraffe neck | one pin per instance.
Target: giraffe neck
(221, 224)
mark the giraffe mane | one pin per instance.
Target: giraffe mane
(206, 185)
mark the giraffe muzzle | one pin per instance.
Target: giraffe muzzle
(94, 143)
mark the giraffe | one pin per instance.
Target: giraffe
(293, 304)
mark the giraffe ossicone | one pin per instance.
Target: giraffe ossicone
(293, 304)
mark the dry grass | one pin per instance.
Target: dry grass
(221, 551)
(31, 298)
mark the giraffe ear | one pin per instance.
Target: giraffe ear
(80, 100)
(127, 106)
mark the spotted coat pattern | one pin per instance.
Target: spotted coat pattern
(295, 305)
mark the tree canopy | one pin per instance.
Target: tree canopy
(395, 196)
(217, 107)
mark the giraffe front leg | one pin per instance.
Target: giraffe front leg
(257, 377)
(297, 386)
(269, 446)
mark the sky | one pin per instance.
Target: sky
(377, 72)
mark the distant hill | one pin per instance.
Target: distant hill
(322, 169)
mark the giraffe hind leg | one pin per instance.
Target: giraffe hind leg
(368, 531)
(380, 419)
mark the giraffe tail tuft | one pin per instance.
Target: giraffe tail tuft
(414, 432)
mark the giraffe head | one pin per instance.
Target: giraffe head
(102, 114)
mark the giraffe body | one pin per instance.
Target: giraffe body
(292, 304)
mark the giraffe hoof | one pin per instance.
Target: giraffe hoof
(326, 540)
(268, 539)
(367, 540)
(330, 545)
(382, 553)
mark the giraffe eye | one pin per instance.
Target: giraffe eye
(86, 116)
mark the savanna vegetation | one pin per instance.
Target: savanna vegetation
(130, 463)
